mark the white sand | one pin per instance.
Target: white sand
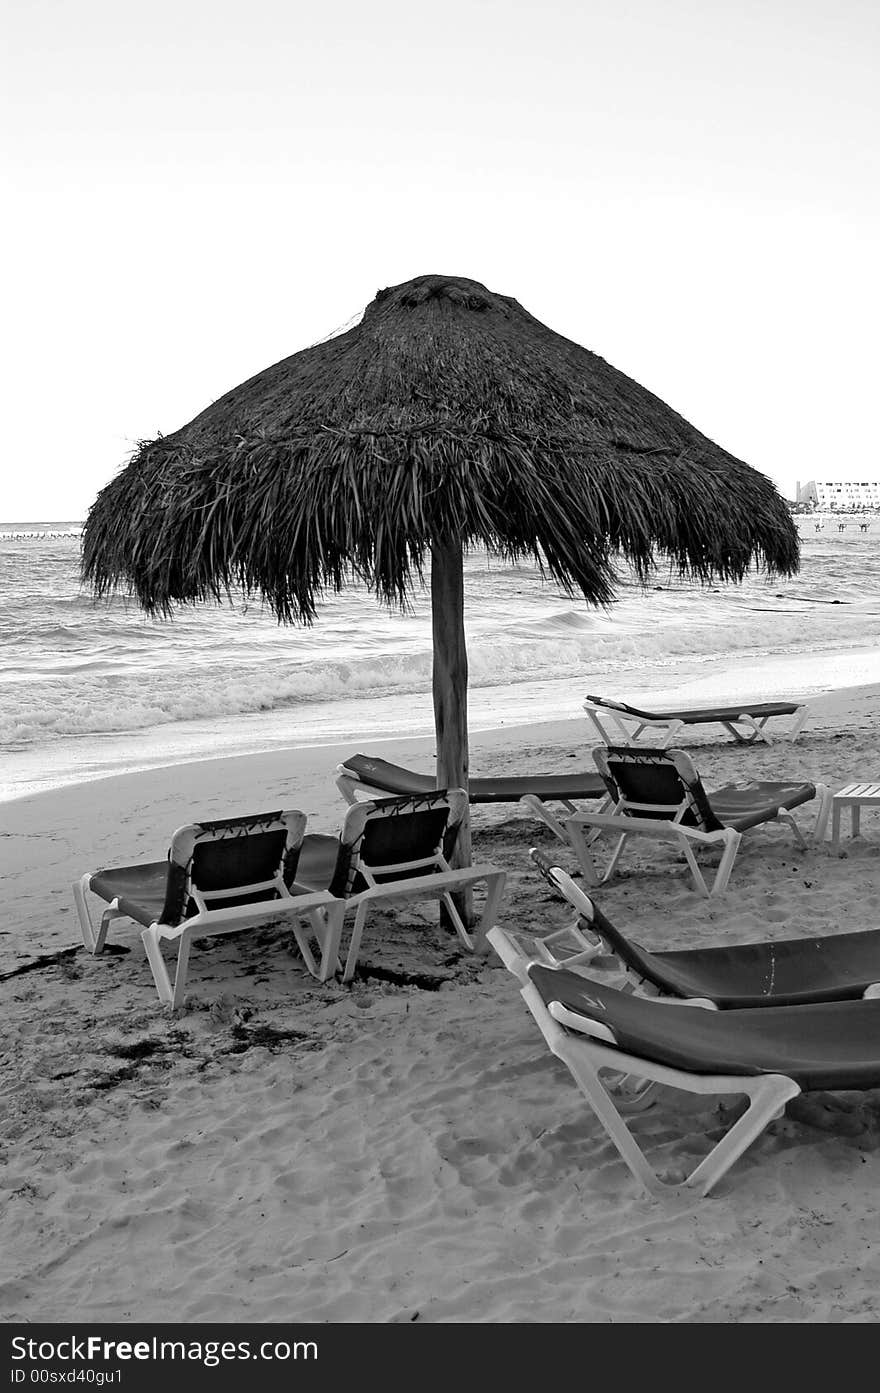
(285, 1151)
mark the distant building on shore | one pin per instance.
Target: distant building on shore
(835, 494)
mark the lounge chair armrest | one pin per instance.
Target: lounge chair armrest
(425, 884)
(214, 919)
(657, 827)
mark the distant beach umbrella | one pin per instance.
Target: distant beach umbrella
(448, 418)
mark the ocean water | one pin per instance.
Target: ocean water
(93, 688)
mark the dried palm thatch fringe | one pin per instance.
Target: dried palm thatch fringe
(448, 418)
(448, 412)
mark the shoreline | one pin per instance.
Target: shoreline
(74, 760)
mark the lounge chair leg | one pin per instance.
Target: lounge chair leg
(454, 915)
(578, 843)
(331, 920)
(671, 729)
(110, 915)
(305, 948)
(732, 840)
(182, 968)
(581, 842)
(693, 865)
(756, 729)
(150, 940)
(355, 941)
(792, 823)
(92, 940)
(614, 858)
(593, 1089)
(767, 1099)
(326, 925)
(826, 802)
(494, 891)
(797, 723)
(85, 919)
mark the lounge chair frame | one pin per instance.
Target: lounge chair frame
(354, 784)
(664, 821)
(590, 1053)
(589, 933)
(278, 900)
(423, 877)
(616, 723)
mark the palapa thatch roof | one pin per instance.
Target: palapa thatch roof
(447, 412)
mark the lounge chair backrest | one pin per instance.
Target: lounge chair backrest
(620, 706)
(233, 861)
(563, 884)
(654, 783)
(394, 838)
(380, 774)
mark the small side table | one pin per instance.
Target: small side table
(855, 797)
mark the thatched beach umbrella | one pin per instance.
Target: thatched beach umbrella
(447, 419)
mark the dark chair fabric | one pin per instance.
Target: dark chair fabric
(704, 715)
(830, 1045)
(645, 775)
(393, 778)
(140, 890)
(325, 861)
(787, 972)
(745, 806)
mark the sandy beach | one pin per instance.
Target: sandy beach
(405, 1148)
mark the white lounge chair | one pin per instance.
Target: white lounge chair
(618, 1046)
(615, 722)
(397, 848)
(219, 877)
(658, 793)
(365, 775)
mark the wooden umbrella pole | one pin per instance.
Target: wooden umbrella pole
(450, 684)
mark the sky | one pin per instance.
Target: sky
(199, 188)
